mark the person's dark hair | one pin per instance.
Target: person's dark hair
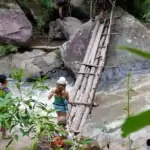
(148, 142)
(3, 78)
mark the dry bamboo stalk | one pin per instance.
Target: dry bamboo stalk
(89, 65)
(93, 89)
(45, 47)
(99, 70)
(94, 50)
(79, 78)
(107, 41)
(84, 98)
(102, 40)
(79, 94)
(85, 73)
(100, 44)
(90, 80)
(89, 73)
(73, 109)
(81, 103)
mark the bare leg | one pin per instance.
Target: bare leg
(3, 130)
(101, 16)
(60, 12)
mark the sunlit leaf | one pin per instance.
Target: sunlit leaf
(136, 51)
(22, 131)
(135, 123)
(69, 142)
(18, 85)
(38, 128)
(16, 137)
(5, 115)
(9, 143)
(86, 141)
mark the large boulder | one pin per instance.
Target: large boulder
(69, 26)
(55, 31)
(14, 26)
(33, 63)
(74, 50)
(113, 84)
(129, 32)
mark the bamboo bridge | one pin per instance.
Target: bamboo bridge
(81, 99)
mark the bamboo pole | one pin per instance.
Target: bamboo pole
(82, 111)
(45, 47)
(82, 68)
(98, 37)
(85, 79)
(99, 70)
(84, 98)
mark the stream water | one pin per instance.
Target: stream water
(111, 99)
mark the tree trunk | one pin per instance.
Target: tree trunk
(27, 12)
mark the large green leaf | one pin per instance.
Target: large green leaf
(5, 115)
(86, 141)
(16, 137)
(136, 51)
(9, 143)
(69, 142)
(135, 123)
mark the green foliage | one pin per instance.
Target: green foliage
(77, 143)
(139, 8)
(136, 51)
(136, 122)
(47, 8)
(143, 9)
(127, 107)
(23, 112)
(7, 48)
(40, 22)
(28, 120)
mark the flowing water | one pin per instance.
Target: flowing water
(111, 99)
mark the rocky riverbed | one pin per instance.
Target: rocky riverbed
(65, 61)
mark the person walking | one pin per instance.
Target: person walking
(4, 90)
(61, 97)
(61, 5)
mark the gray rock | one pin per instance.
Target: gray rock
(26, 61)
(132, 33)
(74, 50)
(33, 63)
(69, 26)
(14, 26)
(55, 31)
(77, 3)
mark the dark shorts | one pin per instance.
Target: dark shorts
(61, 3)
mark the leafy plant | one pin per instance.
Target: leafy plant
(127, 107)
(7, 48)
(27, 118)
(136, 122)
(136, 51)
(47, 10)
(77, 143)
(23, 112)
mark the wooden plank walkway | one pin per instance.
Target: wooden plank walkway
(89, 75)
